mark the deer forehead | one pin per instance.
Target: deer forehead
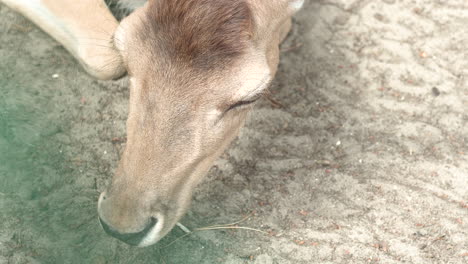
(243, 82)
(252, 78)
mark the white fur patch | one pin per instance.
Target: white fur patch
(119, 38)
(153, 235)
(296, 4)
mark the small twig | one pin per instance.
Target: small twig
(230, 227)
(294, 47)
(274, 102)
(237, 222)
(185, 229)
(22, 28)
(161, 257)
(438, 238)
(177, 239)
(215, 227)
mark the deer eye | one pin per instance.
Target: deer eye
(242, 103)
(239, 104)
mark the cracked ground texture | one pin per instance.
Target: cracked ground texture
(362, 157)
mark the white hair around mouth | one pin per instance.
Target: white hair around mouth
(154, 235)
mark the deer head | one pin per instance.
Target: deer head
(196, 67)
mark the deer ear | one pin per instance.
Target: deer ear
(269, 17)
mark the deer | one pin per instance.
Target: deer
(195, 69)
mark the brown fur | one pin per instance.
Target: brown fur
(203, 34)
(188, 61)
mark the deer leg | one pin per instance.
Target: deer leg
(85, 28)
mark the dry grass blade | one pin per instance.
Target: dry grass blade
(275, 103)
(185, 229)
(229, 227)
(294, 47)
(235, 223)
(216, 227)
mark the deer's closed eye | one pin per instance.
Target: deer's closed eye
(238, 105)
(242, 103)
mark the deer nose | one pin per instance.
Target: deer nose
(133, 239)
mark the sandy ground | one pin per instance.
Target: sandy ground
(366, 160)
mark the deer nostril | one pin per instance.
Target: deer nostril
(130, 238)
